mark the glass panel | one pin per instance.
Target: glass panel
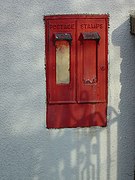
(62, 62)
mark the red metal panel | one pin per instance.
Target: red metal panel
(89, 67)
(92, 89)
(81, 102)
(76, 115)
(60, 93)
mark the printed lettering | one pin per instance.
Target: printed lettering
(85, 26)
(101, 26)
(91, 26)
(88, 26)
(62, 26)
(59, 26)
(67, 26)
(51, 26)
(54, 27)
(72, 26)
(81, 26)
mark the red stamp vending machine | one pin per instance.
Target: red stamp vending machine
(76, 70)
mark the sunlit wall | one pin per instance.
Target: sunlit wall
(28, 151)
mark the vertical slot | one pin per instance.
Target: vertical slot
(89, 62)
(62, 62)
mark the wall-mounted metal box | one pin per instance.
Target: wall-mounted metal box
(76, 70)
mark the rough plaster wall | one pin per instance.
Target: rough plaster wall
(28, 151)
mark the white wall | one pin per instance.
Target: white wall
(28, 151)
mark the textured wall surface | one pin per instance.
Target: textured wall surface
(28, 151)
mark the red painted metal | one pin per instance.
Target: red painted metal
(59, 93)
(92, 52)
(83, 101)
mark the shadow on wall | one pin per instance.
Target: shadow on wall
(122, 38)
(61, 154)
(87, 158)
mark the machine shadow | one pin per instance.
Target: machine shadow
(86, 147)
(122, 39)
(84, 158)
